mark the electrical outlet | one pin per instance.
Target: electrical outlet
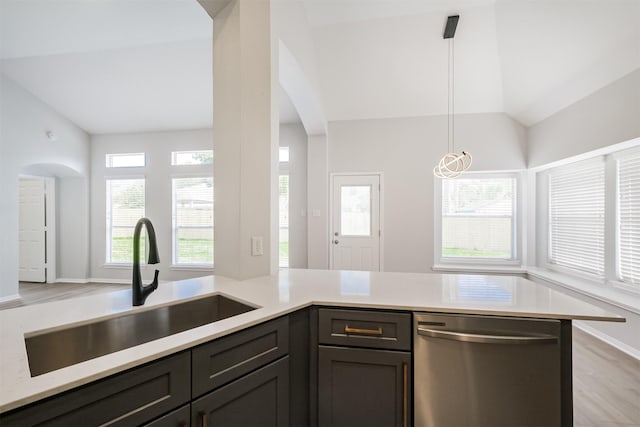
(256, 246)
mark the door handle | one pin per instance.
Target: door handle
(336, 242)
(488, 339)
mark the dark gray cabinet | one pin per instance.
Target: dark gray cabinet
(258, 399)
(130, 398)
(225, 359)
(366, 381)
(244, 378)
(181, 417)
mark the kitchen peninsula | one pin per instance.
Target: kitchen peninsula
(273, 296)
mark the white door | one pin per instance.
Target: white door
(31, 232)
(355, 222)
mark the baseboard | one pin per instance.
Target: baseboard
(66, 280)
(9, 298)
(113, 281)
(625, 348)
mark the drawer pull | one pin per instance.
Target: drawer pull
(349, 330)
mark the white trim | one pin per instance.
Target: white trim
(67, 280)
(187, 267)
(110, 281)
(498, 269)
(444, 263)
(50, 214)
(610, 295)
(627, 349)
(9, 298)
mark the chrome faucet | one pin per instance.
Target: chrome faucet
(140, 292)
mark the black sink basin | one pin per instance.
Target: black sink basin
(49, 351)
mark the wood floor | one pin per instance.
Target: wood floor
(606, 381)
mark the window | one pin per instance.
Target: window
(576, 217)
(201, 157)
(125, 160)
(193, 221)
(125, 206)
(355, 210)
(628, 218)
(283, 154)
(593, 222)
(478, 219)
(283, 220)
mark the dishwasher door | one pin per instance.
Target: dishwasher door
(486, 371)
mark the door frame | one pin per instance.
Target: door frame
(380, 175)
(50, 227)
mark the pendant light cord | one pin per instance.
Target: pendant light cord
(451, 100)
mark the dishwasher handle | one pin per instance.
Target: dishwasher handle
(487, 339)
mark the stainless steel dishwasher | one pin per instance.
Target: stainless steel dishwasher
(486, 371)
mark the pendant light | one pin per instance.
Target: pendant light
(452, 164)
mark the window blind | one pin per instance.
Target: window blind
(629, 218)
(125, 206)
(576, 217)
(193, 221)
(283, 220)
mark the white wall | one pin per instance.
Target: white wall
(294, 136)
(73, 207)
(25, 148)
(158, 173)
(607, 116)
(317, 202)
(405, 150)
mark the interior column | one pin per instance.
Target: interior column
(242, 132)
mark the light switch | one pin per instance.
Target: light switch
(256, 246)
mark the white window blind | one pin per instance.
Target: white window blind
(284, 220)
(125, 206)
(629, 218)
(478, 218)
(576, 217)
(193, 221)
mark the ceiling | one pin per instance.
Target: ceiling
(124, 66)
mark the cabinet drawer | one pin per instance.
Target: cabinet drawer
(223, 360)
(364, 328)
(127, 399)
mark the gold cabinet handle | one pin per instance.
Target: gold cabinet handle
(349, 330)
(405, 392)
(203, 417)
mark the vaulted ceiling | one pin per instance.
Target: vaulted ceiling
(124, 66)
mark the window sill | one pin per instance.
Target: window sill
(481, 269)
(192, 268)
(607, 293)
(123, 266)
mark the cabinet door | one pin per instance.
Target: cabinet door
(259, 399)
(359, 387)
(130, 398)
(179, 418)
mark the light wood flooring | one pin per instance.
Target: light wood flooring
(606, 381)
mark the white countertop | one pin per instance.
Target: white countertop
(275, 296)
